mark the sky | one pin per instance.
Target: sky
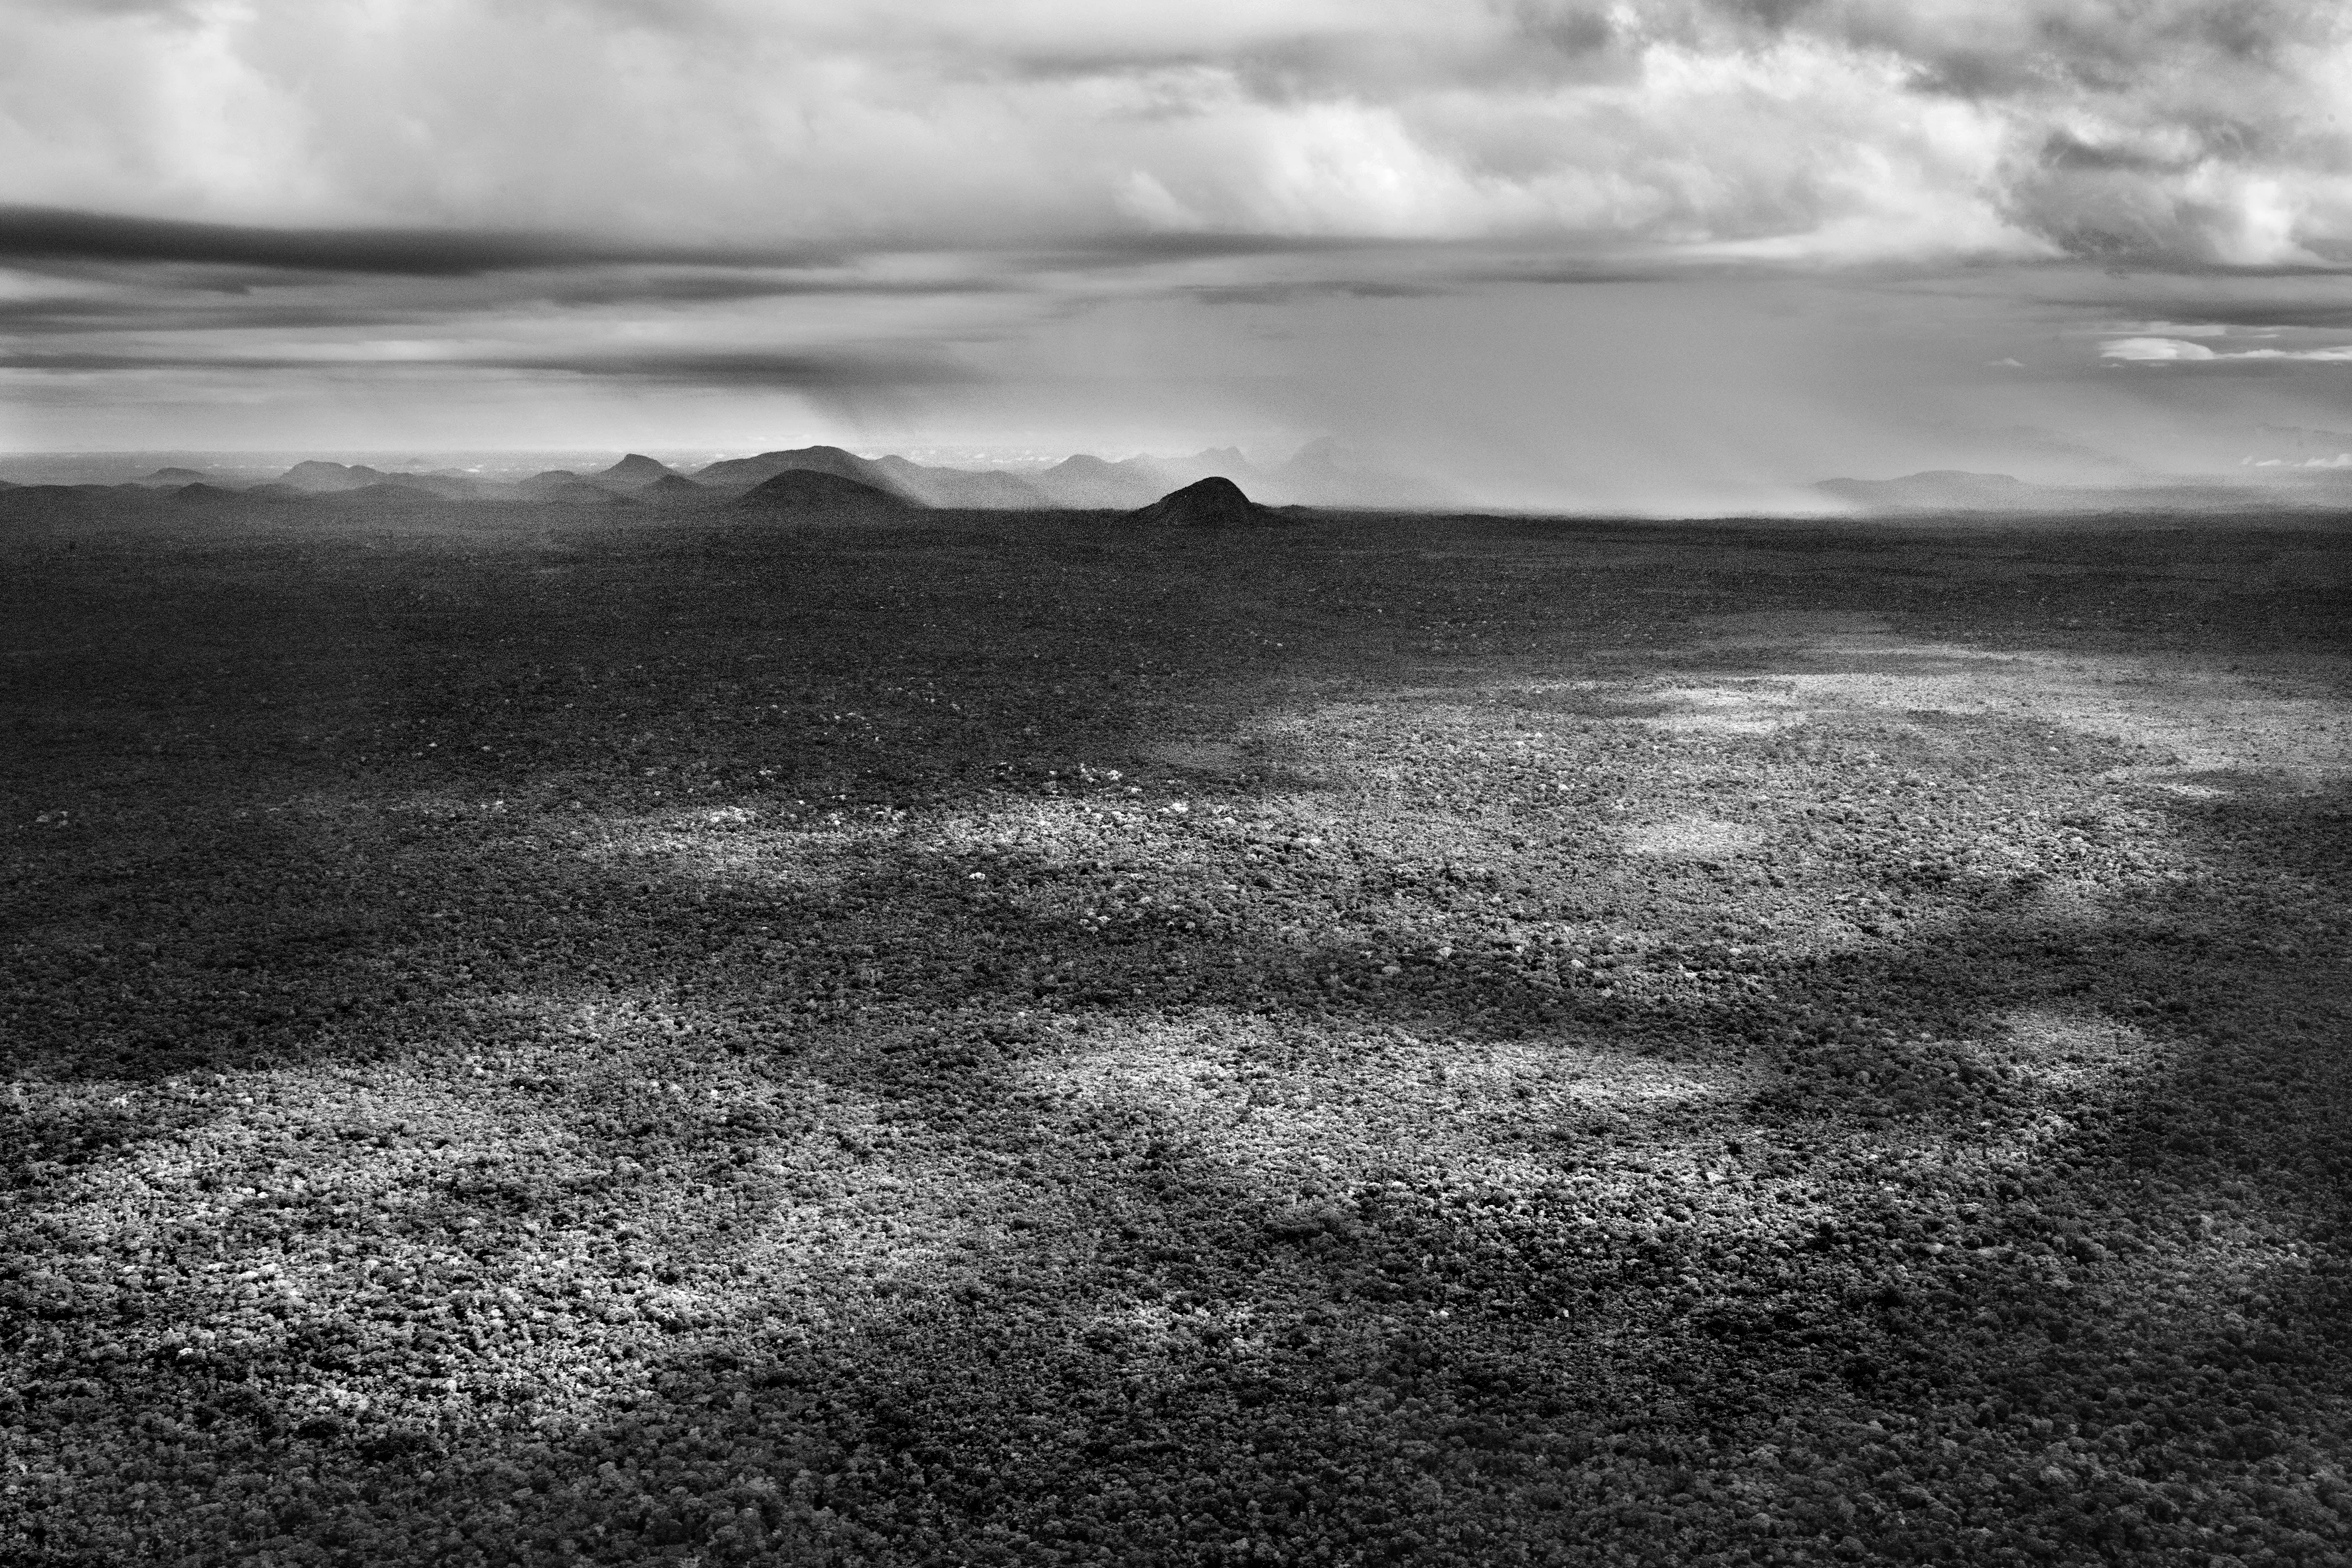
(1691, 254)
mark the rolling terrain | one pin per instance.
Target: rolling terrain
(541, 1034)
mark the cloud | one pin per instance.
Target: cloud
(2162, 133)
(829, 371)
(1289, 293)
(2340, 355)
(2161, 349)
(1062, 197)
(2153, 349)
(55, 234)
(2272, 314)
(96, 295)
(802, 372)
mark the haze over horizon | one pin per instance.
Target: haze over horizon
(1690, 256)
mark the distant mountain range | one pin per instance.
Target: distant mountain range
(819, 483)
(1322, 474)
(324, 477)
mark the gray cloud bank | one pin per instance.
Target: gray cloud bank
(2156, 132)
(50, 234)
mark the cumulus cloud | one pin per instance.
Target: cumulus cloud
(2339, 354)
(2158, 132)
(2153, 349)
(2176, 350)
(836, 195)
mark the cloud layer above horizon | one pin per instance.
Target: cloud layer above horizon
(2151, 130)
(877, 208)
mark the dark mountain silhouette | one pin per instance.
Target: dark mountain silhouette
(1090, 482)
(1081, 481)
(815, 496)
(1213, 502)
(1081, 468)
(990, 489)
(316, 475)
(579, 492)
(540, 485)
(1322, 473)
(385, 494)
(41, 501)
(450, 486)
(173, 477)
(744, 472)
(632, 472)
(202, 494)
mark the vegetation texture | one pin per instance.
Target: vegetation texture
(535, 1038)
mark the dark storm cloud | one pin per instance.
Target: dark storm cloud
(845, 195)
(1331, 57)
(573, 269)
(1151, 248)
(830, 371)
(1291, 293)
(146, 312)
(2317, 316)
(1570, 272)
(2102, 46)
(1308, 67)
(1438, 270)
(172, 300)
(53, 234)
(2240, 368)
(618, 289)
(2211, 301)
(2190, 131)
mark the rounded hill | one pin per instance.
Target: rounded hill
(1213, 502)
(808, 495)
